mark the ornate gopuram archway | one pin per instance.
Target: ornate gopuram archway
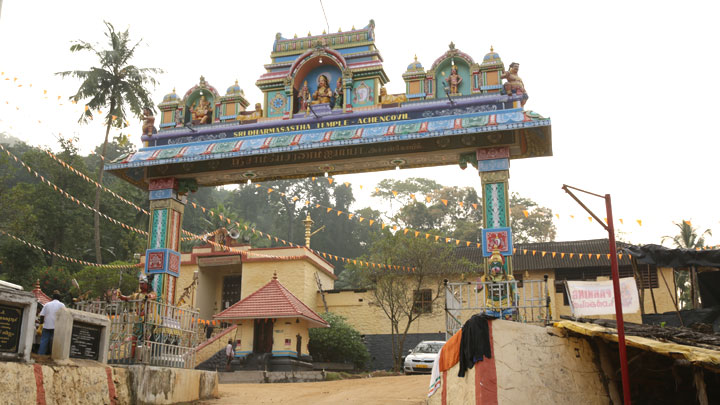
(476, 118)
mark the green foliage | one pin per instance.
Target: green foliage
(421, 264)
(96, 281)
(538, 226)
(338, 343)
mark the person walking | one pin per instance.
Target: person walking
(229, 354)
(47, 318)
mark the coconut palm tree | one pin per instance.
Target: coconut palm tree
(115, 86)
(688, 238)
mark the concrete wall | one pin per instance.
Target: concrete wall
(532, 366)
(88, 382)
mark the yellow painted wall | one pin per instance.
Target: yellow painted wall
(288, 329)
(283, 328)
(244, 334)
(370, 319)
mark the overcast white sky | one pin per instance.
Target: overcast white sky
(631, 86)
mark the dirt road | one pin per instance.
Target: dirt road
(366, 391)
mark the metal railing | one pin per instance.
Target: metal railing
(148, 332)
(525, 301)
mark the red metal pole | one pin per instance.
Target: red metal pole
(618, 303)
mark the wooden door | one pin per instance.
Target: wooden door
(263, 336)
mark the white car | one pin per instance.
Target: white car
(421, 358)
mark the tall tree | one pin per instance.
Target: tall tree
(457, 211)
(114, 85)
(686, 281)
(536, 226)
(411, 285)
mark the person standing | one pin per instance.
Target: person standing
(229, 354)
(47, 318)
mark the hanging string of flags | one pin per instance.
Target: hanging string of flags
(428, 197)
(69, 196)
(325, 255)
(191, 235)
(67, 258)
(95, 183)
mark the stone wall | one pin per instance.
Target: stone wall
(89, 382)
(380, 347)
(531, 366)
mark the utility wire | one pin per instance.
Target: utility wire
(326, 20)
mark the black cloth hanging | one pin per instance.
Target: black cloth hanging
(474, 342)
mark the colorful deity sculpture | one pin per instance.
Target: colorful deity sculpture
(148, 127)
(454, 80)
(339, 93)
(514, 84)
(500, 293)
(304, 97)
(254, 115)
(323, 94)
(201, 112)
(391, 98)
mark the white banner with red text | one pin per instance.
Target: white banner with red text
(597, 298)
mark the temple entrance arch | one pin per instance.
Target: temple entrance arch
(485, 128)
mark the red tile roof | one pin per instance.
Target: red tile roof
(39, 295)
(273, 300)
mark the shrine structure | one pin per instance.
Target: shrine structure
(325, 110)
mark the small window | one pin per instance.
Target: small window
(422, 301)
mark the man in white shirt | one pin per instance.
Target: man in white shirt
(229, 353)
(47, 318)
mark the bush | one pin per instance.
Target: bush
(338, 343)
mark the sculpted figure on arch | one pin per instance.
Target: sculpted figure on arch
(514, 84)
(339, 93)
(303, 97)
(454, 80)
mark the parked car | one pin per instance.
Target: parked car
(421, 358)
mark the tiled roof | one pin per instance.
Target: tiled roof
(39, 294)
(273, 300)
(539, 256)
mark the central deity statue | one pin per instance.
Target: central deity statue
(201, 112)
(454, 80)
(323, 94)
